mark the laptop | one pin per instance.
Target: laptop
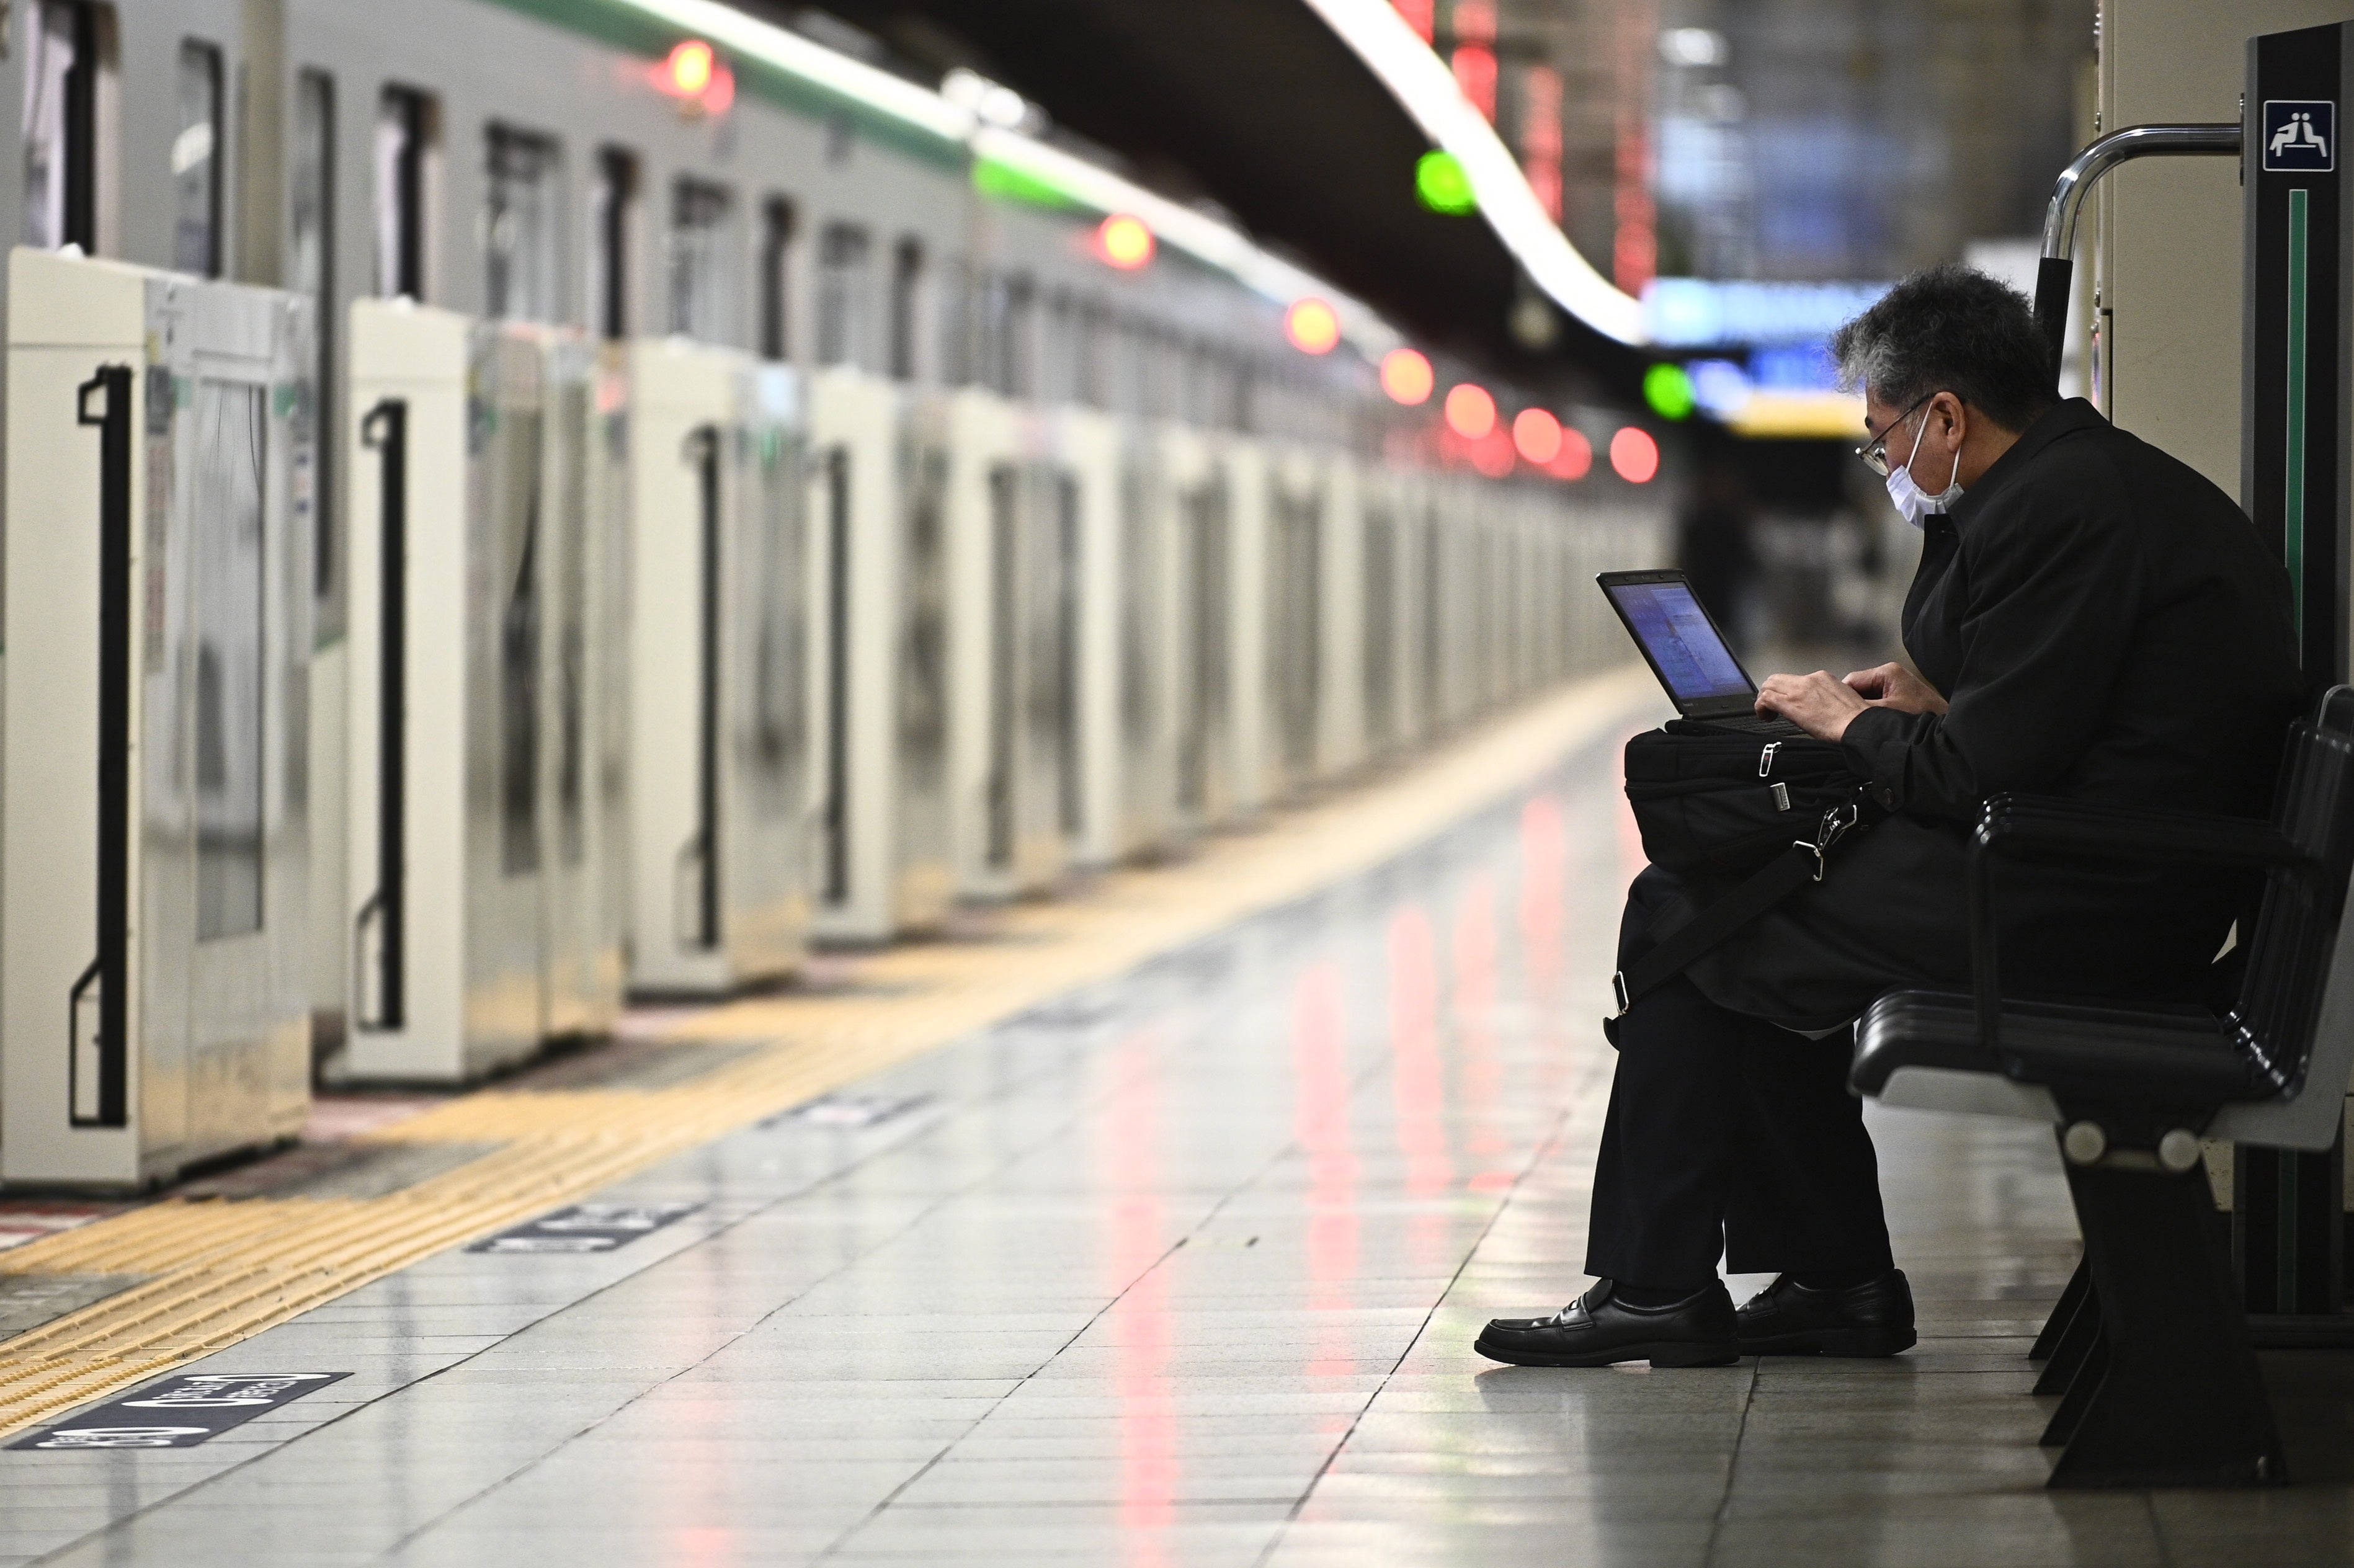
(1687, 653)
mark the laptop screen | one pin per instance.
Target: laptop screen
(1676, 632)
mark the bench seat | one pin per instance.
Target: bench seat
(1912, 1046)
(2149, 1348)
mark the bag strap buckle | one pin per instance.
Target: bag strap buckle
(1835, 824)
(1816, 850)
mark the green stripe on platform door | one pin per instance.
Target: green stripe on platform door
(2293, 491)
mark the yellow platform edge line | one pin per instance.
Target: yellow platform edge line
(223, 1271)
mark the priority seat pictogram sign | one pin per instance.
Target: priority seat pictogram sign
(2300, 136)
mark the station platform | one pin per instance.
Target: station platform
(1151, 1225)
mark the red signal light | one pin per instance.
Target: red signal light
(1537, 434)
(1407, 376)
(1634, 455)
(1470, 411)
(694, 73)
(1575, 459)
(1311, 326)
(690, 68)
(1124, 242)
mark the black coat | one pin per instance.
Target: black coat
(2105, 625)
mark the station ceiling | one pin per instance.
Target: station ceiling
(1258, 105)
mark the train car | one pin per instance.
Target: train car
(881, 863)
(849, 531)
(1108, 498)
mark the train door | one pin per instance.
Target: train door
(1256, 773)
(1380, 638)
(154, 986)
(917, 624)
(611, 600)
(1294, 601)
(1143, 573)
(1407, 562)
(1048, 802)
(767, 916)
(1170, 610)
(1434, 581)
(1204, 646)
(1001, 592)
(1341, 619)
(682, 831)
(879, 670)
(504, 684)
(989, 498)
(580, 647)
(1098, 475)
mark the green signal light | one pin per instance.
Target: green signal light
(1440, 183)
(991, 177)
(1668, 391)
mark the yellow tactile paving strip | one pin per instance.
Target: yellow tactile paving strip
(215, 1272)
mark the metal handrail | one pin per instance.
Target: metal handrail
(2056, 271)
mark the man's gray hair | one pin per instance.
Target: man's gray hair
(1950, 329)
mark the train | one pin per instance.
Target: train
(518, 506)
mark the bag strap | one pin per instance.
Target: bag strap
(1784, 875)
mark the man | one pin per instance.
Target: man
(2090, 620)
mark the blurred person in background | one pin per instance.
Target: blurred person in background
(1713, 547)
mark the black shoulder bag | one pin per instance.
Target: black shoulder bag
(1717, 802)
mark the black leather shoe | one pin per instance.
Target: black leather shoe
(1786, 1318)
(1594, 1330)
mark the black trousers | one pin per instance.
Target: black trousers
(1727, 1136)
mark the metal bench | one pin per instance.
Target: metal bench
(2149, 1347)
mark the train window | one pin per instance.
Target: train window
(62, 65)
(1093, 349)
(311, 262)
(956, 322)
(405, 134)
(700, 249)
(779, 222)
(612, 223)
(1019, 370)
(1007, 319)
(195, 162)
(1126, 371)
(520, 279)
(906, 299)
(1058, 368)
(842, 305)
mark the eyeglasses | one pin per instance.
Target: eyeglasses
(1874, 452)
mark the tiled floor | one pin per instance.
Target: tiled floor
(1180, 1269)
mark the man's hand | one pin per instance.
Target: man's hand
(1816, 704)
(1895, 686)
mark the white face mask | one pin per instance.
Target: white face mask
(1910, 500)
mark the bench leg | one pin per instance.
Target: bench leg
(2175, 1398)
(2080, 1285)
(2077, 1336)
(2089, 1366)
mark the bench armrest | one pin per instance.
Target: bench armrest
(2027, 827)
(2019, 825)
